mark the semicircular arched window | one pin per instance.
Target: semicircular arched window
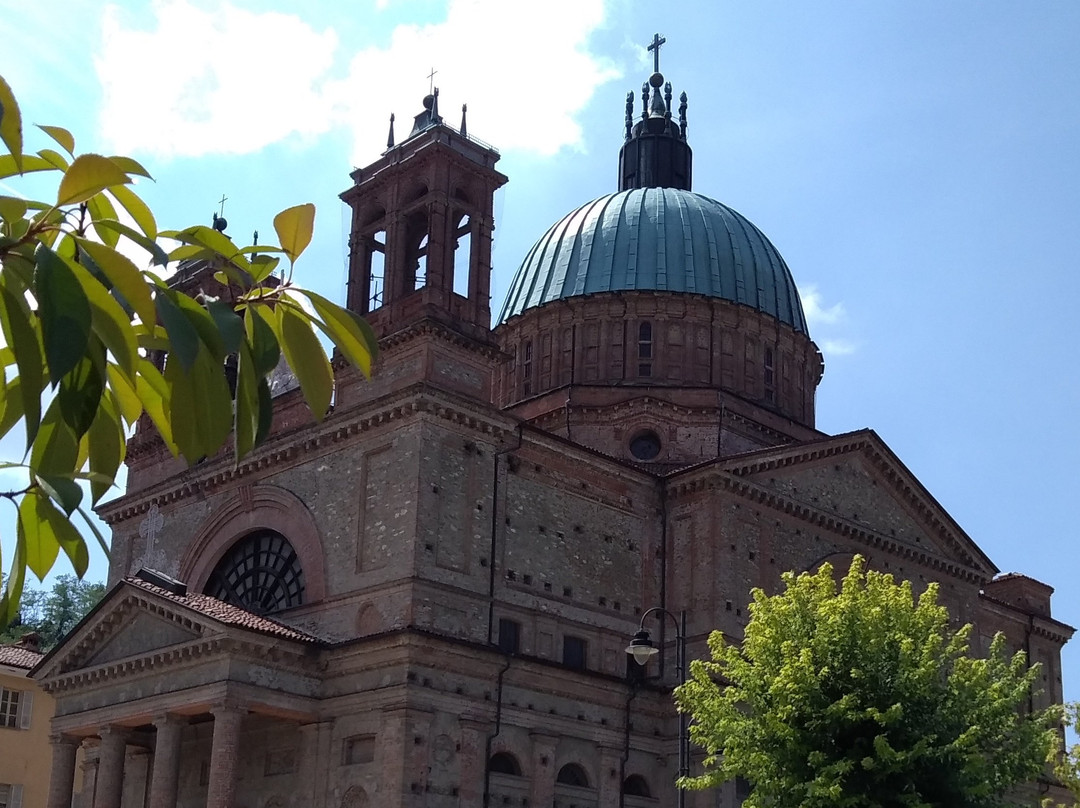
(260, 573)
(504, 763)
(636, 786)
(572, 775)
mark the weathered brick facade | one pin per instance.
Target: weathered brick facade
(476, 534)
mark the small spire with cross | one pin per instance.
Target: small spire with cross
(431, 81)
(654, 46)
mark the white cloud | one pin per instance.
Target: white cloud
(838, 347)
(829, 318)
(817, 313)
(235, 81)
(223, 81)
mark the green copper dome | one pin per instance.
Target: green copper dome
(657, 239)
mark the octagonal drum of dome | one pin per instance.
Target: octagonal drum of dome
(658, 239)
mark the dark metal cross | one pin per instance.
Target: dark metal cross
(431, 81)
(657, 41)
(224, 199)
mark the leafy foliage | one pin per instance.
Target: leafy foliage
(82, 322)
(51, 614)
(863, 697)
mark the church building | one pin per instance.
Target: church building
(425, 599)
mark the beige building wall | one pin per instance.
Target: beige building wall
(25, 754)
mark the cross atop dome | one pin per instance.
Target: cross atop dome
(655, 154)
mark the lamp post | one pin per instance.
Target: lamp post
(641, 648)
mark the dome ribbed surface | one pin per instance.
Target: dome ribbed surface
(657, 239)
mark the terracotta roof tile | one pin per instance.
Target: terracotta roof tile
(228, 614)
(18, 657)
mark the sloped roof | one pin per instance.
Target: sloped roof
(16, 656)
(226, 613)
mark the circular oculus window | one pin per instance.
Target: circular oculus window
(645, 445)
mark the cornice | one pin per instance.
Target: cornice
(868, 444)
(728, 481)
(1040, 625)
(310, 439)
(433, 328)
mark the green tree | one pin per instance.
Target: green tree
(863, 697)
(79, 320)
(52, 614)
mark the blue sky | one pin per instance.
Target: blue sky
(915, 162)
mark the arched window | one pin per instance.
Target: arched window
(504, 763)
(645, 348)
(635, 786)
(260, 573)
(462, 254)
(572, 775)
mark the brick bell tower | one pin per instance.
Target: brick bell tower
(420, 258)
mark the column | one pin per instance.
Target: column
(608, 783)
(223, 756)
(62, 776)
(89, 774)
(110, 776)
(543, 768)
(311, 775)
(166, 775)
(473, 760)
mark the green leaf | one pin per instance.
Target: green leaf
(39, 539)
(56, 450)
(136, 208)
(203, 323)
(307, 359)
(294, 227)
(348, 330)
(265, 351)
(47, 528)
(122, 391)
(12, 208)
(106, 443)
(11, 123)
(130, 166)
(29, 163)
(22, 336)
(246, 417)
(89, 174)
(263, 266)
(154, 395)
(9, 603)
(157, 254)
(12, 406)
(183, 336)
(80, 393)
(61, 136)
(64, 491)
(229, 324)
(54, 158)
(200, 405)
(64, 312)
(101, 209)
(90, 523)
(109, 321)
(210, 238)
(123, 275)
(266, 412)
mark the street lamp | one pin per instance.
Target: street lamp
(641, 648)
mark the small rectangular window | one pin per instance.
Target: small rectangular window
(573, 652)
(9, 707)
(10, 795)
(509, 635)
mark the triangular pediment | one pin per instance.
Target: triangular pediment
(128, 623)
(854, 484)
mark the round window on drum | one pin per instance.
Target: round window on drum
(260, 573)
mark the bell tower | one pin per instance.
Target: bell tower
(420, 249)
